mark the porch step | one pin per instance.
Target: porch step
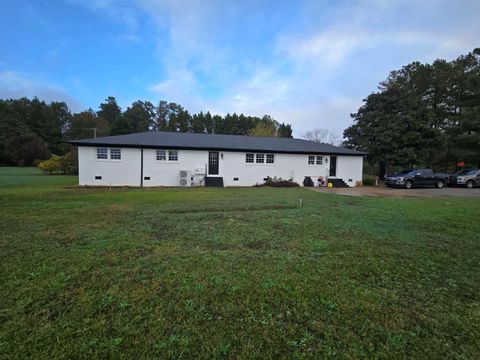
(338, 183)
(213, 181)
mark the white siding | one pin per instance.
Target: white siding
(124, 172)
(286, 166)
(167, 173)
(232, 166)
(350, 169)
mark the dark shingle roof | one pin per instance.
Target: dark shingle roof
(177, 140)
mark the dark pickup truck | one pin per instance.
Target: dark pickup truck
(416, 178)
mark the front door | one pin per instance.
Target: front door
(333, 166)
(213, 163)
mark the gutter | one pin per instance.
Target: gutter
(89, 144)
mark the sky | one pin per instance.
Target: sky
(307, 63)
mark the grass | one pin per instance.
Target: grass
(233, 273)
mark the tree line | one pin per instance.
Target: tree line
(422, 115)
(32, 130)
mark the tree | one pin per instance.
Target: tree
(140, 116)
(423, 115)
(85, 125)
(324, 136)
(263, 129)
(198, 123)
(162, 116)
(395, 129)
(24, 149)
(51, 165)
(121, 126)
(31, 129)
(109, 110)
(285, 130)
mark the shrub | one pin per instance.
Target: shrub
(67, 164)
(368, 180)
(279, 182)
(51, 165)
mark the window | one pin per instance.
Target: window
(311, 160)
(102, 153)
(98, 177)
(161, 155)
(270, 158)
(116, 154)
(319, 160)
(260, 158)
(250, 158)
(173, 155)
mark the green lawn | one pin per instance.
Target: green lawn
(233, 273)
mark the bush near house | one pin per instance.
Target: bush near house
(368, 180)
(279, 182)
(66, 164)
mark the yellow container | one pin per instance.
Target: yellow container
(330, 185)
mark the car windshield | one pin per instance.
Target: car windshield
(462, 172)
(471, 172)
(404, 172)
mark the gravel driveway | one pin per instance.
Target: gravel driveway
(383, 191)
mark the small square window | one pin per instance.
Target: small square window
(116, 154)
(102, 153)
(172, 155)
(260, 159)
(98, 177)
(161, 155)
(319, 160)
(235, 179)
(146, 178)
(311, 160)
(250, 158)
(270, 158)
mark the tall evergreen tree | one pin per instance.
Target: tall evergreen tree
(109, 110)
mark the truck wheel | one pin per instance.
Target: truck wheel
(408, 184)
(469, 184)
(439, 184)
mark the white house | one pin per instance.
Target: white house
(183, 159)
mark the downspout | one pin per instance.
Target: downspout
(141, 167)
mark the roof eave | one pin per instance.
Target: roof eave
(81, 143)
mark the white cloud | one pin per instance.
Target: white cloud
(315, 73)
(14, 85)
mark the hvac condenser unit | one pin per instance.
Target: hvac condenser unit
(185, 178)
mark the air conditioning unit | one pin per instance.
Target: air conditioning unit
(185, 178)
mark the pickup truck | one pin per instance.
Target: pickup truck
(468, 178)
(416, 178)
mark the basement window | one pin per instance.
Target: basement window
(98, 178)
(161, 155)
(173, 155)
(102, 153)
(116, 154)
(270, 158)
(235, 179)
(146, 178)
(250, 158)
(260, 159)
